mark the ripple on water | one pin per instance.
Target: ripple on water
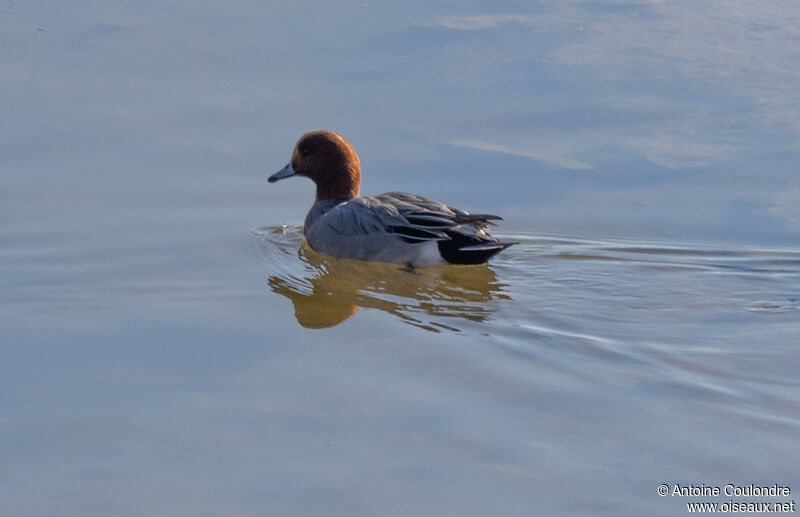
(575, 273)
(680, 321)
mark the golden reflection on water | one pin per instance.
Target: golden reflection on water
(326, 291)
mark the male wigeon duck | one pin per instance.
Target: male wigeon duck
(392, 227)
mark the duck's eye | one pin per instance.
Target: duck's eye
(305, 150)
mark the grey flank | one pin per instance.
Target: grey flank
(396, 227)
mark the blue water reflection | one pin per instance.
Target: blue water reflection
(152, 362)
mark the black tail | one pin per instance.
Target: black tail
(465, 249)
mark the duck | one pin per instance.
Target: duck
(393, 227)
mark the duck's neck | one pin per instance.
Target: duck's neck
(342, 185)
(328, 194)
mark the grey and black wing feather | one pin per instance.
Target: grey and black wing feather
(462, 237)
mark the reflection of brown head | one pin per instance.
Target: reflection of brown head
(317, 310)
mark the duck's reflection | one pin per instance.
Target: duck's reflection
(330, 290)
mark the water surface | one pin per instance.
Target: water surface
(170, 346)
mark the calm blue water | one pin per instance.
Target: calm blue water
(169, 346)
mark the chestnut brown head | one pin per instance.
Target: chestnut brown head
(329, 160)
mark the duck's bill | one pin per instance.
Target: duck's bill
(283, 173)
